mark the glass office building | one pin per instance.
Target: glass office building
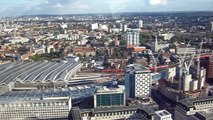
(109, 97)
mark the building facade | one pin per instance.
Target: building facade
(112, 113)
(186, 50)
(163, 115)
(189, 107)
(140, 24)
(47, 108)
(210, 68)
(106, 97)
(211, 26)
(132, 38)
(138, 81)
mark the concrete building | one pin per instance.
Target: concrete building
(138, 81)
(94, 26)
(74, 37)
(62, 36)
(210, 68)
(145, 112)
(125, 28)
(163, 115)
(187, 78)
(171, 73)
(110, 113)
(140, 24)
(132, 39)
(202, 78)
(1, 27)
(185, 50)
(193, 85)
(189, 107)
(211, 26)
(19, 40)
(45, 108)
(202, 115)
(38, 50)
(110, 96)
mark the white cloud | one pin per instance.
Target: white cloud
(157, 2)
(78, 5)
(46, 1)
(58, 5)
(118, 5)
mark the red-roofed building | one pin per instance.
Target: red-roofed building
(84, 51)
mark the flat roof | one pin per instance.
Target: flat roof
(110, 109)
(162, 113)
(190, 102)
(75, 93)
(137, 68)
(104, 89)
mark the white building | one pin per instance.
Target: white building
(138, 81)
(140, 24)
(211, 25)
(47, 108)
(40, 50)
(132, 38)
(125, 28)
(186, 50)
(1, 27)
(194, 85)
(74, 37)
(63, 36)
(94, 26)
(19, 40)
(171, 73)
(187, 79)
(167, 36)
(162, 115)
(202, 78)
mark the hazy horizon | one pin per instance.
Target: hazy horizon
(63, 7)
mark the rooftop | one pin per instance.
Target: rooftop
(162, 113)
(207, 114)
(75, 93)
(37, 71)
(104, 89)
(136, 68)
(191, 102)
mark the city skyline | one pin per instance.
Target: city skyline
(35, 7)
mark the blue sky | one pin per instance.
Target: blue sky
(31, 7)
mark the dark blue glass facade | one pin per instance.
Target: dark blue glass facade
(110, 100)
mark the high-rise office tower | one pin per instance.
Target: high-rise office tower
(140, 24)
(137, 81)
(132, 38)
(211, 26)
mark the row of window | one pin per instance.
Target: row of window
(35, 104)
(114, 113)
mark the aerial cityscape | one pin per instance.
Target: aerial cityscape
(115, 60)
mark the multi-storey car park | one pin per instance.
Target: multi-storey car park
(37, 75)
